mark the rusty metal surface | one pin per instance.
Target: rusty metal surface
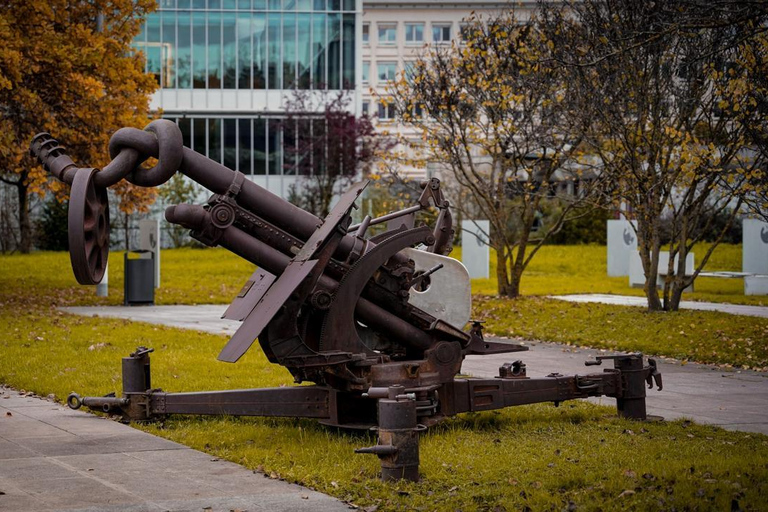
(327, 301)
(88, 228)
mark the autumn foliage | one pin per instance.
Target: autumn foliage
(66, 67)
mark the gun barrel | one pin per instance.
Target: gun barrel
(274, 262)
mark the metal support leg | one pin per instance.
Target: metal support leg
(398, 447)
(632, 402)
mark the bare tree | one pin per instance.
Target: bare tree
(495, 116)
(327, 150)
(657, 114)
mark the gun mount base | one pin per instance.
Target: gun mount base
(398, 412)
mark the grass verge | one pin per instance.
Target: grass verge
(533, 457)
(701, 336)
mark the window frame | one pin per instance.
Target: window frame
(412, 25)
(441, 26)
(385, 25)
(379, 79)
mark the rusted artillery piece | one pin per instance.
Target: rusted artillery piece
(373, 322)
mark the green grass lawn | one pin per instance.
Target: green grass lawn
(533, 457)
(566, 269)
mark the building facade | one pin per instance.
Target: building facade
(228, 68)
(394, 34)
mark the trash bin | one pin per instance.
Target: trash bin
(139, 278)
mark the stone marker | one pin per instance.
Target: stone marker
(475, 252)
(637, 274)
(149, 240)
(755, 247)
(622, 242)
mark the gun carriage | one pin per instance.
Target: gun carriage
(375, 323)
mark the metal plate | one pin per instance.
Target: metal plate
(449, 296)
(252, 292)
(266, 309)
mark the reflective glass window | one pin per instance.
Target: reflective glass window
(199, 138)
(199, 72)
(229, 49)
(183, 4)
(259, 63)
(230, 143)
(184, 51)
(214, 50)
(168, 49)
(348, 52)
(186, 130)
(214, 139)
(289, 51)
(366, 71)
(291, 157)
(334, 51)
(319, 80)
(386, 71)
(244, 57)
(414, 33)
(387, 33)
(441, 32)
(259, 146)
(304, 50)
(244, 152)
(386, 112)
(366, 34)
(274, 68)
(154, 44)
(304, 5)
(275, 148)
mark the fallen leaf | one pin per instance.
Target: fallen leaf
(628, 492)
(629, 473)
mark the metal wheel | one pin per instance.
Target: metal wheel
(88, 227)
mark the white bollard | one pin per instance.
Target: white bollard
(475, 253)
(102, 289)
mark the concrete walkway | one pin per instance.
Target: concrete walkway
(53, 458)
(628, 300)
(732, 399)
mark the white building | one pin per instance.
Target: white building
(227, 67)
(395, 32)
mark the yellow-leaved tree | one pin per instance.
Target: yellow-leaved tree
(668, 107)
(493, 112)
(67, 67)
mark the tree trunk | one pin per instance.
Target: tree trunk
(515, 277)
(502, 280)
(25, 224)
(649, 255)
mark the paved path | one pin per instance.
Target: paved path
(53, 458)
(628, 300)
(732, 399)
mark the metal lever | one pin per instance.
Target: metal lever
(599, 359)
(418, 279)
(653, 375)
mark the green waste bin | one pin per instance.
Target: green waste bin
(139, 278)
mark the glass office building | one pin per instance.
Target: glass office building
(227, 67)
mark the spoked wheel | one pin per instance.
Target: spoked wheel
(88, 226)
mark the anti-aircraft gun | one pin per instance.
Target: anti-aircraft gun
(374, 322)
